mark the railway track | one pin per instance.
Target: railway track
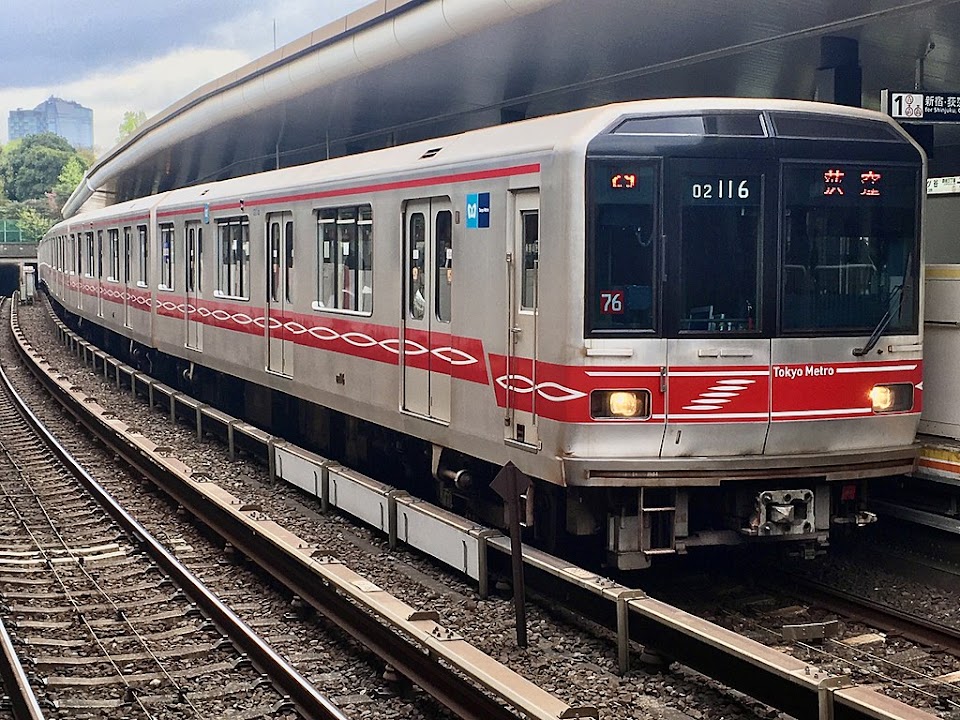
(437, 660)
(792, 685)
(105, 618)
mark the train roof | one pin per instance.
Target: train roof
(537, 136)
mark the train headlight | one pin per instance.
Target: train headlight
(897, 397)
(620, 404)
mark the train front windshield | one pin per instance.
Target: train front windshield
(848, 256)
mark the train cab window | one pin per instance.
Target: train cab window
(621, 250)
(144, 254)
(417, 249)
(849, 248)
(166, 257)
(443, 255)
(729, 124)
(345, 251)
(720, 245)
(233, 252)
(113, 245)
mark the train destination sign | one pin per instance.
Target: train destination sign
(921, 107)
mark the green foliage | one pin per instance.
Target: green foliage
(33, 224)
(131, 121)
(69, 178)
(30, 167)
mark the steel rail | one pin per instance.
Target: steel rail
(23, 701)
(301, 692)
(377, 633)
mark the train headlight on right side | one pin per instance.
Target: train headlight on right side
(896, 397)
(620, 404)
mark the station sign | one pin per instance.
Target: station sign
(921, 107)
(943, 185)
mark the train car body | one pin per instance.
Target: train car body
(693, 322)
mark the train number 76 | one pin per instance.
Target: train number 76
(611, 302)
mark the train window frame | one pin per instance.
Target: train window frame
(598, 168)
(336, 245)
(143, 257)
(113, 254)
(233, 277)
(167, 259)
(678, 124)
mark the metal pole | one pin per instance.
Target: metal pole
(509, 484)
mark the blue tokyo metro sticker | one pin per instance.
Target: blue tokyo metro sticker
(478, 210)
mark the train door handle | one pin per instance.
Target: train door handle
(516, 331)
(718, 353)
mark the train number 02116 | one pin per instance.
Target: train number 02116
(721, 189)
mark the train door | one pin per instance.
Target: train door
(126, 276)
(523, 260)
(428, 251)
(193, 282)
(718, 363)
(279, 292)
(99, 273)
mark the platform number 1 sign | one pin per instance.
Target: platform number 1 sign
(906, 105)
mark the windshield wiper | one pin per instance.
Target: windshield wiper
(874, 338)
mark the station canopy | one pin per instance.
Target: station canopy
(396, 72)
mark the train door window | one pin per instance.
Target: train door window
(166, 257)
(77, 253)
(99, 253)
(233, 251)
(199, 251)
(126, 254)
(622, 247)
(113, 241)
(443, 258)
(288, 259)
(365, 258)
(190, 266)
(275, 257)
(417, 250)
(90, 255)
(530, 221)
(720, 245)
(144, 253)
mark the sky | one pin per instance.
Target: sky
(115, 56)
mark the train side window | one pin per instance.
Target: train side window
(126, 254)
(113, 244)
(345, 259)
(531, 259)
(144, 248)
(417, 249)
(233, 253)
(288, 259)
(90, 254)
(443, 254)
(166, 257)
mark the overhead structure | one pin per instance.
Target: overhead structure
(398, 71)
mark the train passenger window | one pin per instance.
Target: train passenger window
(288, 263)
(417, 248)
(720, 226)
(166, 257)
(443, 240)
(126, 254)
(849, 247)
(233, 251)
(345, 253)
(622, 247)
(90, 254)
(113, 243)
(144, 248)
(274, 282)
(531, 259)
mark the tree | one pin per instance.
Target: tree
(32, 224)
(69, 178)
(131, 121)
(30, 167)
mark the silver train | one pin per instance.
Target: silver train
(692, 322)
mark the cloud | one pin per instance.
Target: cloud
(149, 86)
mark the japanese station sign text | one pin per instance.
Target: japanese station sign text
(921, 107)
